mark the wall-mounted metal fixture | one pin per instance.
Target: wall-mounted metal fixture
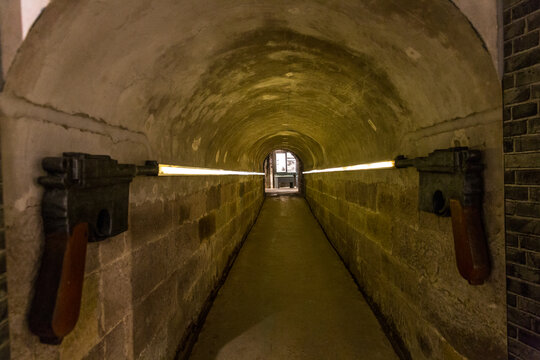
(451, 185)
(86, 199)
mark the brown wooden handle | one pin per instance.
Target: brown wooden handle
(470, 243)
(57, 300)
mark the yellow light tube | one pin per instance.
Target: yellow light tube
(173, 170)
(371, 166)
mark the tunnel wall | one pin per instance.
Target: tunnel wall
(219, 84)
(522, 176)
(143, 289)
(403, 259)
(155, 280)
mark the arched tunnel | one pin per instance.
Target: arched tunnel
(220, 85)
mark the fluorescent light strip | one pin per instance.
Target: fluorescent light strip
(377, 165)
(173, 170)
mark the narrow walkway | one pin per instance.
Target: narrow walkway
(288, 296)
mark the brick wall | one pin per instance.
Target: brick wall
(521, 85)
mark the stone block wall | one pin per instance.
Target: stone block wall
(521, 86)
(403, 260)
(151, 283)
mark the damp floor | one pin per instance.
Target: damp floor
(289, 296)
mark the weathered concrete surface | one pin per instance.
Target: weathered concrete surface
(482, 15)
(10, 32)
(288, 296)
(486, 17)
(338, 89)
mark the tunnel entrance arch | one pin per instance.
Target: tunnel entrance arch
(283, 173)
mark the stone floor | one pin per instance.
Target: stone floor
(288, 296)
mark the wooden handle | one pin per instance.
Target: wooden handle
(469, 243)
(57, 300)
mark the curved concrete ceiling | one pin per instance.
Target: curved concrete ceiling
(221, 84)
